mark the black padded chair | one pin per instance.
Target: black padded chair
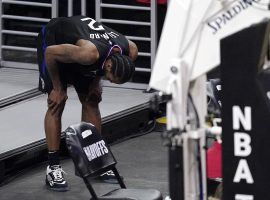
(93, 157)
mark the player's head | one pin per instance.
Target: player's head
(119, 68)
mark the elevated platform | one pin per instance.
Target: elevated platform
(14, 81)
(17, 84)
(124, 110)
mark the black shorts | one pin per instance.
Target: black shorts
(74, 74)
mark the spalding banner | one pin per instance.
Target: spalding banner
(245, 115)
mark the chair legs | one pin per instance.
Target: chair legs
(120, 180)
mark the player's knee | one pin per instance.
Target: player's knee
(56, 110)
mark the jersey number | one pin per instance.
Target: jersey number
(91, 24)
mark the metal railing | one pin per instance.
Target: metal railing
(54, 13)
(70, 7)
(152, 24)
(54, 7)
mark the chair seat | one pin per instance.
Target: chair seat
(132, 194)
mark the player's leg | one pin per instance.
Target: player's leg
(90, 113)
(55, 179)
(90, 100)
(52, 123)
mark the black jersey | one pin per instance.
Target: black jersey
(70, 29)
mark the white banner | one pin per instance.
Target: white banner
(193, 29)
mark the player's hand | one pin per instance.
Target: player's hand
(57, 100)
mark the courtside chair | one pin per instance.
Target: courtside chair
(93, 157)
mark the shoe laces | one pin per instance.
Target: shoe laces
(58, 172)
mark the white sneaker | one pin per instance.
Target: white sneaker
(55, 178)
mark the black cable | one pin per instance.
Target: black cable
(141, 133)
(198, 147)
(195, 111)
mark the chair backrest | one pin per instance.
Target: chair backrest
(92, 156)
(88, 150)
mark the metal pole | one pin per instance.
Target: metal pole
(19, 48)
(27, 3)
(83, 7)
(106, 5)
(54, 8)
(153, 31)
(11, 32)
(70, 8)
(119, 21)
(1, 32)
(35, 19)
(98, 10)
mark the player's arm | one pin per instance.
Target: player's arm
(84, 53)
(133, 50)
